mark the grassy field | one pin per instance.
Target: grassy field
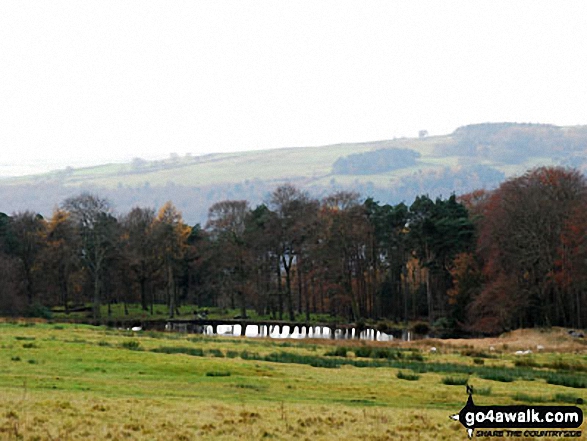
(69, 382)
(135, 313)
(305, 166)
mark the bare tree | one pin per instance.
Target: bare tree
(96, 229)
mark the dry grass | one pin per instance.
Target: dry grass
(85, 384)
(44, 416)
(552, 340)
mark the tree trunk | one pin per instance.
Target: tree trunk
(279, 291)
(170, 292)
(143, 283)
(96, 303)
(289, 298)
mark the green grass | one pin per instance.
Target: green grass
(135, 313)
(85, 382)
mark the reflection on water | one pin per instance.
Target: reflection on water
(297, 332)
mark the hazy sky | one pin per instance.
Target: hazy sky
(95, 80)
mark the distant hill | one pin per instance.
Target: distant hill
(472, 157)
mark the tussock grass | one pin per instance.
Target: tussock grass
(337, 352)
(218, 374)
(567, 398)
(455, 381)
(407, 376)
(483, 391)
(525, 398)
(132, 345)
(196, 352)
(567, 380)
(501, 376)
(80, 388)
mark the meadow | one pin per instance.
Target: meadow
(73, 382)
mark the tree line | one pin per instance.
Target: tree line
(483, 262)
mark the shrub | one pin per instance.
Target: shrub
(40, 311)
(479, 361)
(421, 328)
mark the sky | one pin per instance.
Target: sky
(84, 82)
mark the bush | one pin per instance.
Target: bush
(421, 328)
(40, 311)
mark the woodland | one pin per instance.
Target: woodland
(478, 263)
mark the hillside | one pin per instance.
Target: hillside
(472, 157)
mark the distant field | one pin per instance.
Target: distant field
(72, 382)
(306, 165)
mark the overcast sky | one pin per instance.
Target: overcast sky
(101, 80)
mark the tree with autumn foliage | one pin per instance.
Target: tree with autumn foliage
(532, 244)
(171, 235)
(138, 244)
(61, 259)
